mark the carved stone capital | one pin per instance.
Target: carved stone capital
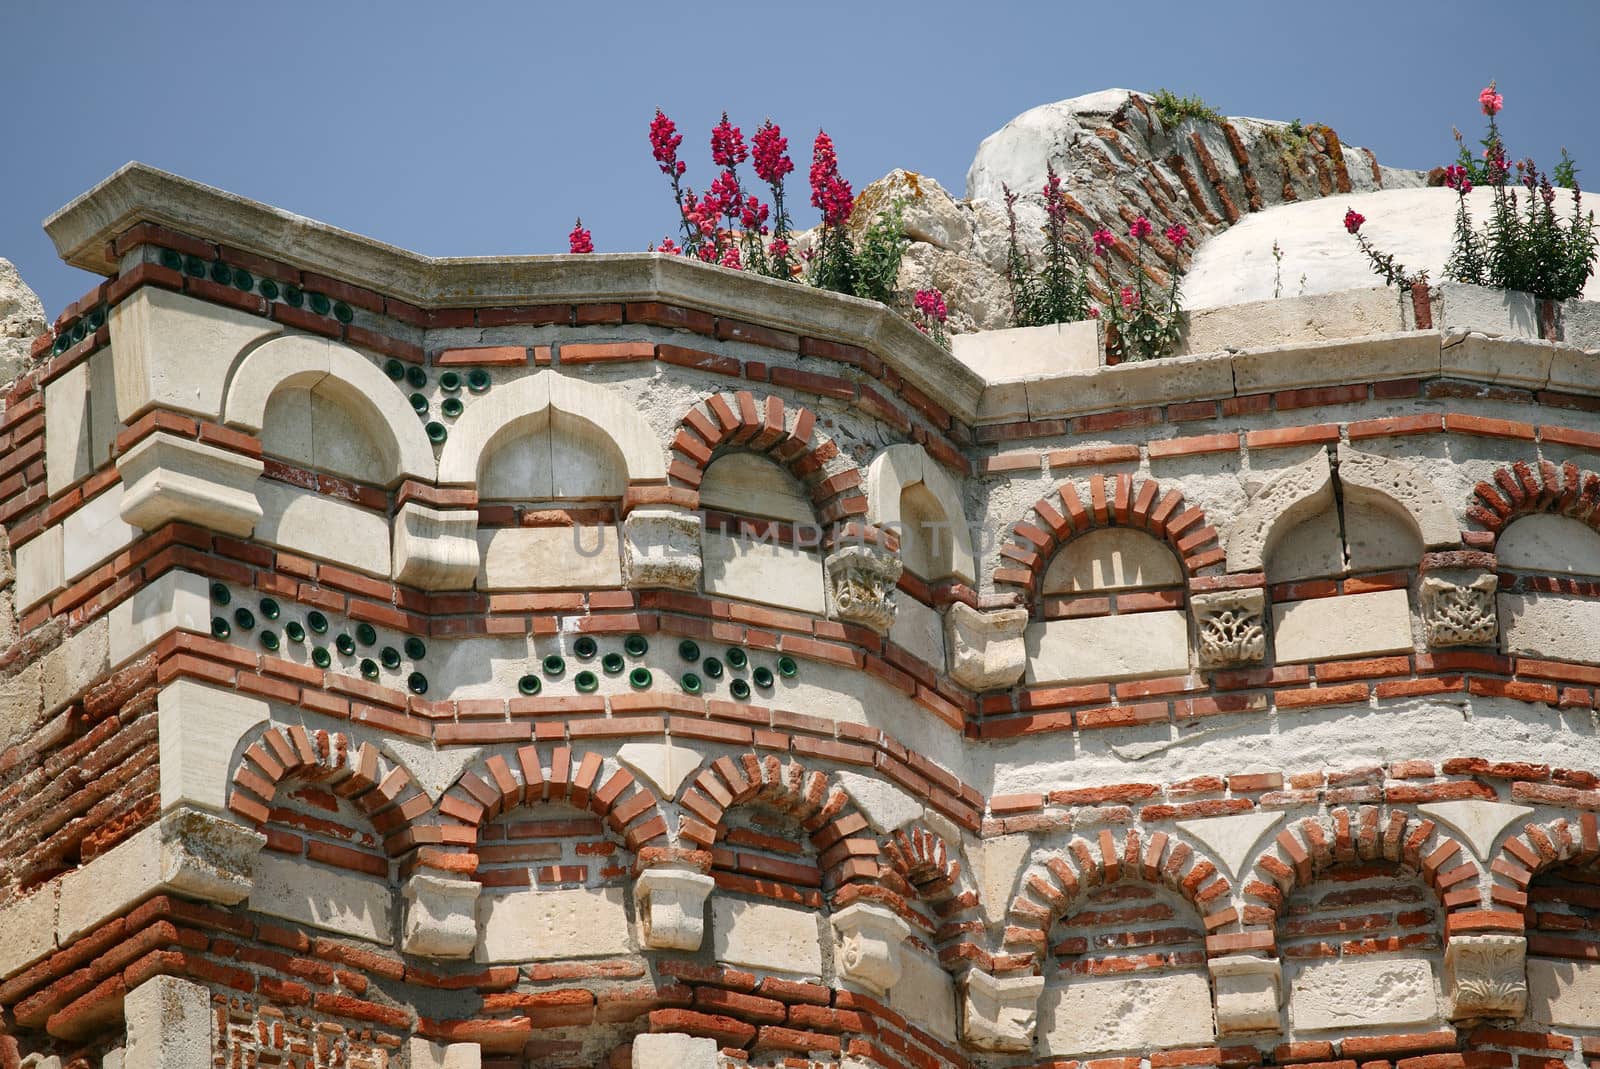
(1460, 612)
(986, 648)
(435, 549)
(672, 907)
(661, 549)
(1486, 976)
(206, 857)
(1249, 990)
(869, 939)
(1000, 1013)
(1231, 625)
(441, 917)
(861, 583)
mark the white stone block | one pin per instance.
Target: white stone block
(869, 940)
(760, 571)
(663, 765)
(926, 994)
(1029, 352)
(1508, 361)
(1551, 625)
(1134, 646)
(324, 527)
(763, 936)
(918, 629)
(39, 568)
(1551, 544)
(749, 484)
(1477, 821)
(672, 907)
(1293, 320)
(1111, 558)
(886, 807)
(674, 1050)
(176, 601)
(1125, 1013)
(169, 1025)
(28, 930)
(1351, 625)
(661, 548)
(360, 907)
(21, 702)
(1364, 993)
(986, 649)
(426, 1054)
(583, 557)
(1000, 1012)
(1564, 993)
(76, 664)
(559, 923)
(440, 917)
(1460, 308)
(168, 478)
(435, 549)
(103, 423)
(93, 533)
(199, 730)
(67, 441)
(174, 351)
(1249, 990)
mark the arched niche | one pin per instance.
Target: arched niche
(322, 405)
(749, 484)
(909, 492)
(1551, 544)
(1111, 558)
(552, 455)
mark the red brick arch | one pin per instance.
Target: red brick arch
(500, 784)
(1525, 854)
(1524, 488)
(361, 774)
(922, 867)
(1114, 501)
(742, 421)
(1049, 889)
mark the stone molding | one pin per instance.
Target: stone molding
(861, 586)
(661, 549)
(1296, 495)
(436, 549)
(167, 478)
(1248, 990)
(440, 918)
(1000, 1013)
(986, 649)
(899, 467)
(671, 903)
(867, 951)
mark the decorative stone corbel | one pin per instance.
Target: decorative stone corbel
(206, 857)
(168, 478)
(672, 907)
(661, 548)
(1000, 1013)
(861, 584)
(435, 549)
(1486, 976)
(1231, 625)
(986, 648)
(868, 949)
(1458, 611)
(1249, 990)
(441, 917)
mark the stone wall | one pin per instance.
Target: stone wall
(635, 663)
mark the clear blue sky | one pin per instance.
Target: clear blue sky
(476, 128)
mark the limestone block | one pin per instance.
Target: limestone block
(1132, 385)
(79, 661)
(28, 930)
(1248, 993)
(986, 649)
(435, 549)
(925, 993)
(661, 548)
(440, 917)
(168, 478)
(103, 423)
(358, 907)
(1477, 821)
(427, 1054)
(996, 864)
(884, 806)
(93, 533)
(672, 907)
(1351, 625)
(1288, 500)
(1564, 993)
(1357, 994)
(1293, 320)
(174, 351)
(1231, 839)
(752, 570)
(67, 443)
(549, 924)
(1374, 357)
(749, 484)
(1580, 323)
(1459, 613)
(1572, 369)
(909, 493)
(582, 557)
(663, 765)
(1111, 558)
(1398, 488)
(21, 702)
(1000, 1013)
(918, 629)
(1029, 352)
(1485, 976)
(1546, 542)
(861, 586)
(764, 936)
(39, 568)
(869, 939)
(1108, 647)
(674, 1050)
(176, 601)
(1313, 548)
(325, 527)
(1508, 361)
(1551, 625)
(169, 1025)
(1459, 308)
(1120, 1013)
(199, 729)
(1231, 626)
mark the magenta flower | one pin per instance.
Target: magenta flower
(754, 214)
(1177, 233)
(1458, 179)
(1103, 240)
(725, 193)
(771, 153)
(727, 144)
(1129, 298)
(1140, 228)
(580, 240)
(730, 256)
(669, 247)
(830, 194)
(1353, 220)
(1491, 101)
(931, 304)
(664, 142)
(778, 248)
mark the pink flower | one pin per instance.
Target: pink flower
(580, 240)
(730, 256)
(829, 193)
(1490, 101)
(1456, 178)
(1177, 233)
(669, 247)
(725, 192)
(1141, 228)
(1094, 311)
(1103, 240)
(931, 304)
(1353, 220)
(664, 142)
(753, 214)
(778, 248)
(727, 144)
(771, 153)
(1129, 298)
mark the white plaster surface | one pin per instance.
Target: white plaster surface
(541, 925)
(1101, 1016)
(764, 936)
